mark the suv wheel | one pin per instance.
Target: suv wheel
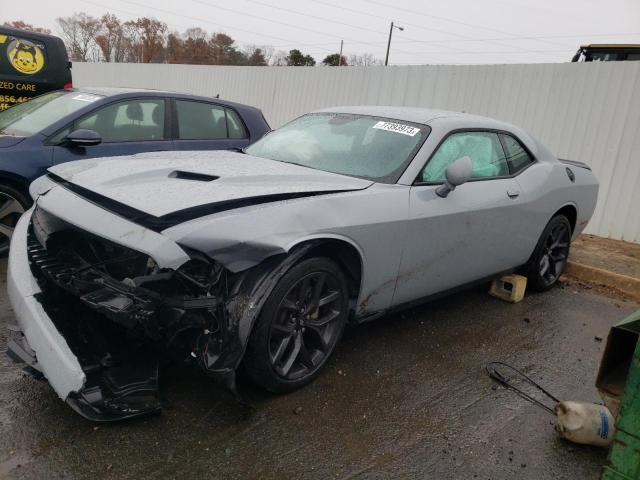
(13, 203)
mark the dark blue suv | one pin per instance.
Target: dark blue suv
(84, 123)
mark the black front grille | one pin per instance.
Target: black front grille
(57, 249)
(41, 262)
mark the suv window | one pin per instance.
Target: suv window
(235, 125)
(483, 148)
(205, 121)
(128, 121)
(517, 156)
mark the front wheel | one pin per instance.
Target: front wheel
(13, 204)
(299, 326)
(550, 256)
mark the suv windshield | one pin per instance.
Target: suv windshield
(357, 145)
(31, 117)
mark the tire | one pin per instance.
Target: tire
(549, 258)
(13, 203)
(299, 326)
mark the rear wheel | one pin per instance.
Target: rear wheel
(13, 203)
(299, 326)
(550, 256)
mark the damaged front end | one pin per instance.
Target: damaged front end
(122, 315)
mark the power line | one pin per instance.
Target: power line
(360, 12)
(317, 17)
(306, 29)
(437, 17)
(212, 23)
(337, 22)
(496, 52)
(528, 37)
(501, 38)
(128, 12)
(403, 40)
(463, 38)
(466, 38)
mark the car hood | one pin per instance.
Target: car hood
(164, 183)
(9, 140)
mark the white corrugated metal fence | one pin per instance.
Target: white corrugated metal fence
(581, 111)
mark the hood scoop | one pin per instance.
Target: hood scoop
(198, 177)
(161, 184)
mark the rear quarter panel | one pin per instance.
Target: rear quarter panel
(547, 188)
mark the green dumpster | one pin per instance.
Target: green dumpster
(619, 385)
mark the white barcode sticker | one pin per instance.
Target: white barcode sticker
(397, 127)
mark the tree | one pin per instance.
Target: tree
(20, 25)
(133, 41)
(152, 36)
(266, 54)
(297, 59)
(111, 39)
(364, 60)
(174, 52)
(224, 51)
(279, 59)
(256, 59)
(335, 60)
(196, 47)
(79, 32)
(144, 40)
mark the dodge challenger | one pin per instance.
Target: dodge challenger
(255, 261)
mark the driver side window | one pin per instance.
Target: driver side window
(483, 148)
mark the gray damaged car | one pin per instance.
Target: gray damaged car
(255, 261)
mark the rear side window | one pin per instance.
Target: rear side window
(129, 121)
(205, 121)
(234, 124)
(517, 157)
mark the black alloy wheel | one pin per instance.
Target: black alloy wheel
(304, 328)
(12, 205)
(550, 257)
(299, 326)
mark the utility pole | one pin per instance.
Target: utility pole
(340, 57)
(386, 60)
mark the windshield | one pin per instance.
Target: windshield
(357, 145)
(31, 117)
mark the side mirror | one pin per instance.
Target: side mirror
(83, 138)
(456, 174)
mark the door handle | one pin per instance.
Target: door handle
(513, 192)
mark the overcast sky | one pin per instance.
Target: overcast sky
(451, 31)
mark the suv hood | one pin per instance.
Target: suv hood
(164, 183)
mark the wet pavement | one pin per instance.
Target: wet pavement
(404, 397)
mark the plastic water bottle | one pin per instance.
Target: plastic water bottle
(586, 423)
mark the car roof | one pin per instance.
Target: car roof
(444, 121)
(426, 116)
(125, 92)
(110, 91)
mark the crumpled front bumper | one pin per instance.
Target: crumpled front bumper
(118, 394)
(54, 358)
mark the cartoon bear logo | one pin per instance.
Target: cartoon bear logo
(25, 56)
